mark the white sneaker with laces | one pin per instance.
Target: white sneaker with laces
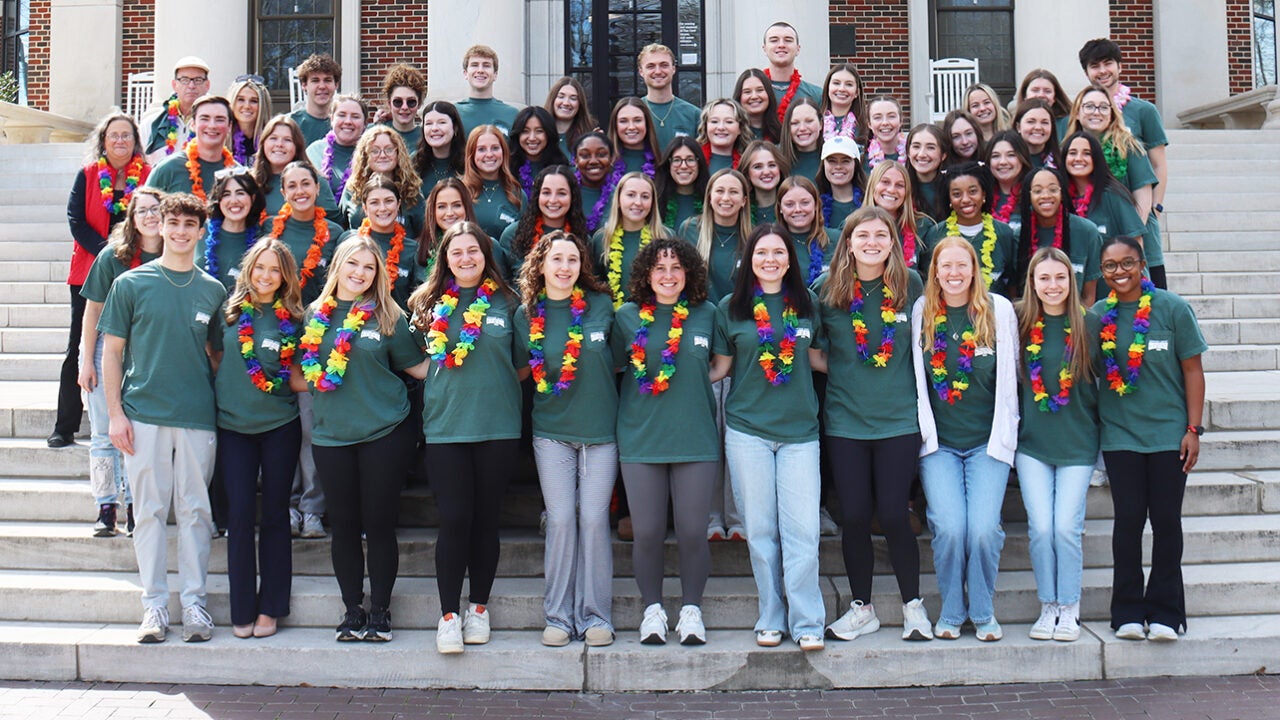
(449, 635)
(155, 623)
(1159, 632)
(915, 621)
(475, 625)
(197, 626)
(295, 522)
(1043, 627)
(653, 628)
(859, 620)
(690, 627)
(1068, 629)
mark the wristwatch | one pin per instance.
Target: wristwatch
(1158, 207)
(1196, 430)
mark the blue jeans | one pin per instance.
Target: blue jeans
(107, 478)
(965, 489)
(1054, 496)
(776, 487)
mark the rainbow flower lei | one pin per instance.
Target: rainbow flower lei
(777, 368)
(572, 347)
(888, 316)
(107, 180)
(288, 343)
(988, 243)
(1137, 348)
(1035, 368)
(472, 318)
(639, 367)
(615, 262)
(330, 377)
(952, 391)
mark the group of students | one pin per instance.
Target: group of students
(718, 319)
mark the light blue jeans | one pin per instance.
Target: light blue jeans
(107, 478)
(965, 489)
(1054, 496)
(776, 487)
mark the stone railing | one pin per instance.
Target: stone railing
(26, 126)
(1258, 108)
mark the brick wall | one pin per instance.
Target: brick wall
(38, 55)
(1239, 46)
(881, 51)
(390, 33)
(137, 40)
(1132, 29)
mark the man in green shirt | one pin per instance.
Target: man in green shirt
(672, 117)
(320, 76)
(211, 122)
(157, 322)
(190, 81)
(781, 46)
(480, 69)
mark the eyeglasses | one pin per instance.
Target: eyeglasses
(120, 137)
(149, 210)
(382, 152)
(189, 81)
(1111, 267)
(409, 102)
(231, 172)
(250, 78)
(1095, 109)
(684, 161)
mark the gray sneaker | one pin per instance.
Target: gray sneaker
(295, 522)
(197, 626)
(312, 526)
(155, 623)
(859, 620)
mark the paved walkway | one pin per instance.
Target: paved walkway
(1206, 698)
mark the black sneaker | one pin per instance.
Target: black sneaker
(353, 625)
(379, 627)
(106, 525)
(59, 440)
(129, 521)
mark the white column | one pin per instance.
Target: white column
(739, 28)
(1050, 35)
(544, 48)
(215, 32)
(1191, 54)
(84, 75)
(918, 23)
(456, 25)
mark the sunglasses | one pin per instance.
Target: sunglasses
(409, 102)
(250, 78)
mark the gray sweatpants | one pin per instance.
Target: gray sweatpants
(689, 486)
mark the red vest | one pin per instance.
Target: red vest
(95, 213)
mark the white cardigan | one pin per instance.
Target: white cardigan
(1003, 442)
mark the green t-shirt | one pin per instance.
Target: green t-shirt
(342, 156)
(1002, 254)
(166, 319)
(1112, 215)
(763, 214)
(1143, 120)
(807, 164)
(104, 271)
(600, 256)
(1015, 215)
(966, 424)
(719, 162)
(298, 236)
(805, 254)
(1070, 435)
(924, 224)
(313, 128)
(372, 399)
(687, 206)
(231, 248)
(842, 210)
(412, 217)
(1153, 417)
(634, 160)
(679, 424)
(171, 175)
(786, 413)
(494, 210)
(406, 280)
(1086, 248)
(587, 410)
(410, 136)
(480, 399)
(486, 111)
(324, 198)
(242, 407)
(805, 90)
(869, 402)
(436, 171)
(722, 267)
(673, 119)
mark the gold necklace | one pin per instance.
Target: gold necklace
(662, 121)
(191, 279)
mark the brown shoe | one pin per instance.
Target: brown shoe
(624, 529)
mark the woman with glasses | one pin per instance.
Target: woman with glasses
(381, 151)
(682, 181)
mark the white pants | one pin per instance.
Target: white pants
(171, 467)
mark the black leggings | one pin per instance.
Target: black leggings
(468, 480)
(876, 475)
(362, 484)
(1147, 485)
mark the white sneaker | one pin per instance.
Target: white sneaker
(312, 526)
(715, 528)
(827, 526)
(155, 623)
(1068, 629)
(197, 626)
(809, 643)
(915, 621)
(859, 620)
(475, 625)
(295, 522)
(1131, 631)
(1098, 478)
(449, 635)
(1043, 627)
(690, 627)
(653, 628)
(1159, 632)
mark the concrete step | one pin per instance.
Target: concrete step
(1262, 164)
(1240, 450)
(31, 232)
(26, 195)
(31, 457)
(1242, 401)
(50, 213)
(730, 661)
(42, 151)
(71, 546)
(1225, 283)
(33, 315)
(48, 249)
(1207, 240)
(1237, 358)
(25, 340)
(41, 178)
(1248, 197)
(35, 270)
(1248, 306)
(28, 410)
(1236, 331)
(1258, 221)
(30, 366)
(34, 293)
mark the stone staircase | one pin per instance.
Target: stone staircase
(69, 602)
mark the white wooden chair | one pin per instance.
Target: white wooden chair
(139, 92)
(948, 79)
(297, 96)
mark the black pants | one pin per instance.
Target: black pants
(70, 406)
(362, 484)
(1147, 485)
(1159, 277)
(242, 458)
(876, 475)
(468, 480)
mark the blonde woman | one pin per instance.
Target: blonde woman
(890, 187)
(381, 150)
(633, 222)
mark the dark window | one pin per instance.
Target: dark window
(981, 29)
(602, 55)
(1264, 42)
(283, 33)
(15, 17)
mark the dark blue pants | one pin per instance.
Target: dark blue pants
(273, 455)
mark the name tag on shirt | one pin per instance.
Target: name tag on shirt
(1158, 345)
(804, 332)
(269, 344)
(496, 321)
(372, 335)
(984, 351)
(702, 341)
(507, 218)
(597, 336)
(402, 272)
(1078, 267)
(900, 318)
(1102, 229)
(233, 272)
(324, 262)
(202, 318)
